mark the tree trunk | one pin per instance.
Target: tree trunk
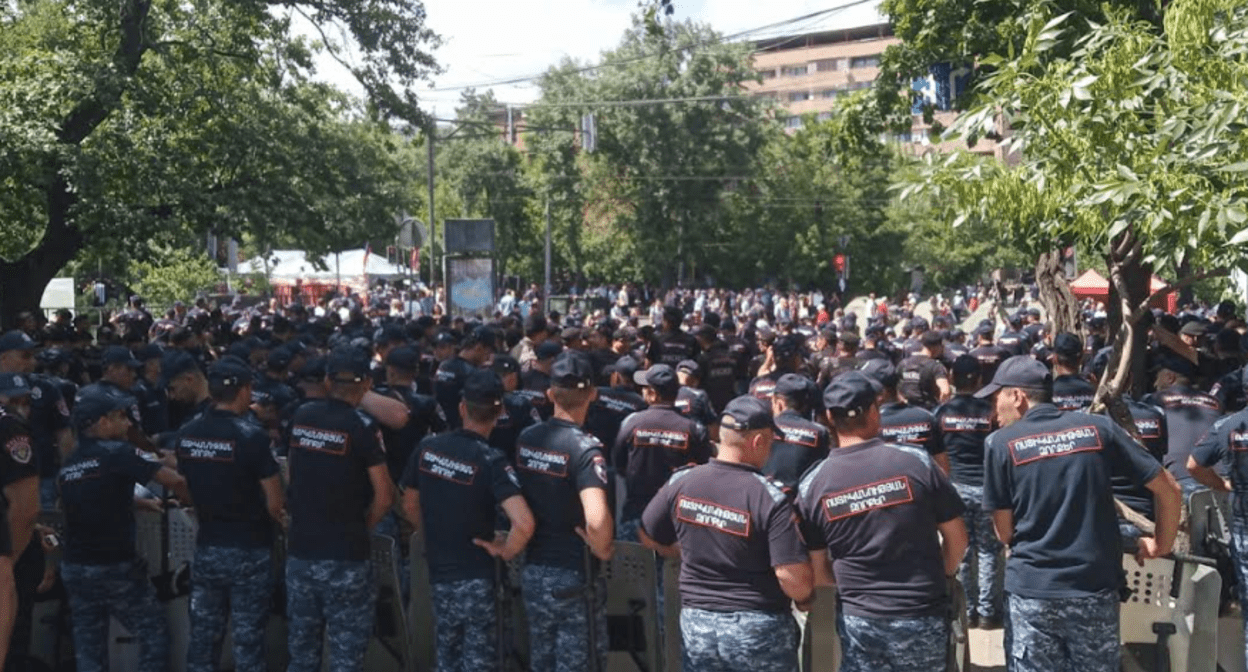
(1128, 278)
(1059, 302)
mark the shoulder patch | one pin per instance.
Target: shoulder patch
(804, 484)
(19, 448)
(917, 452)
(773, 489)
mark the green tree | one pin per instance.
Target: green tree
(178, 276)
(138, 120)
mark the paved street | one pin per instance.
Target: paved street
(986, 652)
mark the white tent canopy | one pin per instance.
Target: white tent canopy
(286, 266)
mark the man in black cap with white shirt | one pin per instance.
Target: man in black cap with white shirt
(870, 514)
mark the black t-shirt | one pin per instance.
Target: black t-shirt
(424, 417)
(97, 495)
(875, 507)
(448, 387)
(49, 413)
(964, 422)
(719, 374)
(461, 480)
(1189, 415)
(518, 415)
(332, 446)
(224, 457)
(555, 461)
(153, 406)
(17, 455)
(734, 527)
(902, 423)
(990, 357)
(1052, 470)
(650, 446)
(694, 403)
(1151, 423)
(1230, 390)
(672, 347)
(533, 386)
(607, 412)
(1072, 392)
(1227, 444)
(764, 386)
(798, 444)
(917, 380)
(1014, 343)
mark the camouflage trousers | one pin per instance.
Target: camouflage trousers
(558, 622)
(892, 644)
(464, 625)
(1077, 634)
(1239, 549)
(982, 582)
(717, 641)
(335, 598)
(234, 584)
(122, 591)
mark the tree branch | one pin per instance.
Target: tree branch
(1190, 280)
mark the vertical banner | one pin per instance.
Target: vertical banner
(469, 286)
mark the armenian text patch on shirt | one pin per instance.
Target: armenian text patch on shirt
(1239, 441)
(617, 405)
(661, 438)
(321, 440)
(714, 516)
(542, 461)
(915, 432)
(81, 470)
(801, 436)
(964, 423)
(215, 450)
(447, 468)
(861, 499)
(1150, 428)
(1176, 400)
(1054, 444)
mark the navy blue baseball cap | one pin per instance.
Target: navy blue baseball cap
(549, 349)
(116, 354)
(13, 385)
(572, 370)
(881, 371)
(660, 377)
(347, 364)
(483, 387)
(625, 366)
(1022, 371)
(94, 402)
(794, 386)
(746, 413)
(175, 363)
(504, 364)
(404, 357)
(230, 372)
(851, 393)
(16, 340)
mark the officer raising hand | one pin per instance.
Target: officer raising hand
(464, 479)
(743, 558)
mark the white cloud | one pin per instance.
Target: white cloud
(489, 41)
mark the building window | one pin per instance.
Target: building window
(793, 122)
(793, 70)
(798, 96)
(858, 86)
(872, 61)
(767, 74)
(830, 94)
(826, 65)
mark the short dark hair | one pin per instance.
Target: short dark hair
(225, 394)
(570, 398)
(1038, 395)
(792, 401)
(481, 412)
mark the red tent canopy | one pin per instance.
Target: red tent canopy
(1093, 285)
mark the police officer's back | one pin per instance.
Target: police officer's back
(743, 560)
(692, 401)
(924, 381)
(799, 442)
(425, 415)
(615, 402)
(1189, 415)
(473, 353)
(517, 412)
(718, 366)
(671, 344)
(1071, 391)
(900, 422)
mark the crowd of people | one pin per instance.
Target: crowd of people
(769, 443)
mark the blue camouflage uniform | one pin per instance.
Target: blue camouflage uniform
(224, 458)
(555, 461)
(330, 582)
(1065, 564)
(102, 575)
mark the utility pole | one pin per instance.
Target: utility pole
(429, 136)
(546, 290)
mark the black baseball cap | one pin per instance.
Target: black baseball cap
(1194, 328)
(690, 367)
(787, 346)
(175, 363)
(535, 323)
(389, 334)
(13, 385)
(483, 387)
(548, 349)
(150, 351)
(16, 340)
(94, 402)
(660, 376)
(347, 364)
(746, 413)
(965, 365)
(230, 372)
(705, 331)
(116, 354)
(480, 336)
(1067, 345)
(404, 357)
(504, 364)
(932, 338)
(794, 386)
(625, 366)
(572, 370)
(881, 371)
(313, 369)
(279, 359)
(1022, 371)
(445, 338)
(918, 323)
(851, 393)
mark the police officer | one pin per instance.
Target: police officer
(964, 422)
(1227, 443)
(339, 490)
(743, 557)
(1047, 485)
(1189, 415)
(989, 356)
(425, 415)
(653, 443)
(154, 403)
(536, 379)
(464, 479)
(101, 573)
(564, 477)
(1071, 391)
(718, 366)
(692, 401)
(923, 379)
(185, 384)
(237, 489)
(474, 352)
(672, 344)
(118, 376)
(1013, 340)
(19, 479)
(517, 413)
(799, 442)
(49, 419)
(871, 511)
(899, 421)
(786, 357)
(1150, 423)
(615, 402)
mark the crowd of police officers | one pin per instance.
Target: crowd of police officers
(885, 459)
